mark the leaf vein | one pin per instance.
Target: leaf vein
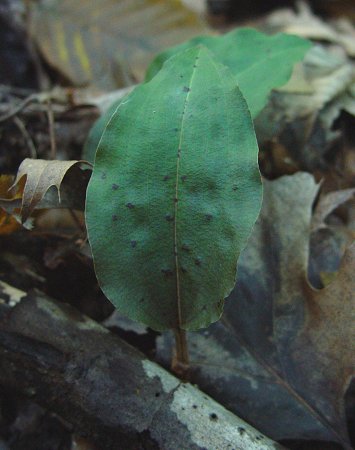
(176, 199)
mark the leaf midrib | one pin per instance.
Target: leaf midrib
(176, 198)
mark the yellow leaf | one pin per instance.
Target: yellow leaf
(8, 222)
(100, 41)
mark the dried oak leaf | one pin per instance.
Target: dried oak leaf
(9, 222)
(282, 354)
(327, 204)
(331, 234)
(302, 22)
(41, 175)
(300, 115)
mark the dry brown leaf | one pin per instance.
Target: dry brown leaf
(102, 41)
(322, 77)
(306, 24)
(328, 203)
(9, 222)
(300, 115)
(326, 344)
(40, 176)
(282, 355)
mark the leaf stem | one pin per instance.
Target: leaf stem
(180, 363)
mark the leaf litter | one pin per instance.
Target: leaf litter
(41, 175)
(282, 355)
(278, 357)
(300, 116)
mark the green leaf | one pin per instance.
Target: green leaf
(252, 56)
(174, 194)
(94, 136)
(259, 62)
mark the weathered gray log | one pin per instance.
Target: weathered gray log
(106, 388)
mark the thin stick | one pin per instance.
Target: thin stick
(20, 125)
(50, 116)
(22, 105)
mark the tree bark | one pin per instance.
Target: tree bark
(105, 388)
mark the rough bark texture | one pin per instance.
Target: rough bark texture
(104, 387)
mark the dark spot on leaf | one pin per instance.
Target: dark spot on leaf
(179, 152)
(166, 178)
(214, 417)
(185, 247)
(141, 300)
(208, 217)
(167, 272)
(241, 430)
(183, 270)
(169, 217)
(194, 406)
(181, 76)
(176, 130)
(157, 394)
(235, 187)
(176, 200)
(183, 178)
(133, 244)
(114, 187)
(186, 89)
(103, 176)
(130, 205)
(198, 261)
(259, 438)
(195, 66)
(204, 308)
(114, 217)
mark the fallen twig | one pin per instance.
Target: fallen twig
(104, 387)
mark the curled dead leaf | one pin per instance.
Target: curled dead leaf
(329, 203)
(41, 175)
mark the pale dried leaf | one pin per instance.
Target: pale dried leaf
(300, 115)
(40, 176)
(321, 78)
(327, 204)
(306, 24)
